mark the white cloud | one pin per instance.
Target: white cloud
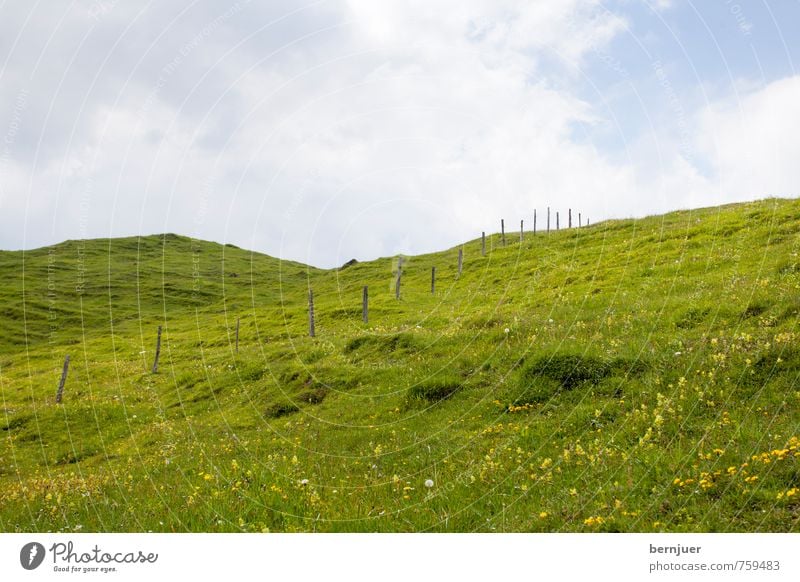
(441, 115)
(348, 129)
(738, 148)
(751, 141)
(374, 128)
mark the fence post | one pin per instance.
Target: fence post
(365, 304)
(158, 351)
(534, 222)
(557, 226)
(312, 330)
(433, 280)
(521, 231)
(483, 244)
(399, 275)
(503, 231)
(60, 391)
(569, 218)
(460, 260)
(579, 220)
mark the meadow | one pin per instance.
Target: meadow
(633, 375)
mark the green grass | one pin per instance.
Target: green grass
(636, 375)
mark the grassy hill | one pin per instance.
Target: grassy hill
(635, 375)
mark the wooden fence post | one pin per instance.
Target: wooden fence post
(460, 260)
(569, 218)
(483, 244)
(60, 391)
(433, 280)
(237, 334)
(534, 222)
(503, 231)
(365, 304)
(158, 351)
(521, 231)
(557, 226)
(579, 220)
(399, 275)
(312, 329)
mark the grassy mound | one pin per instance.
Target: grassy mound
(636, 375)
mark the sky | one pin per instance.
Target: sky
(335, 129)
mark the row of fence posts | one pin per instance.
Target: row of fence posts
(522, 227)
(312, 332)
(460, 268)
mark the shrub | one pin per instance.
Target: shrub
(314, 395)
(356, 343)
(548, 375)
(280, 409)
(569, 370)
(434, 390)
(755, 309)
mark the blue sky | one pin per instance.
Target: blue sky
(710, 49)
(332, 129)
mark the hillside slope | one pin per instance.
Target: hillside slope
(635, 375)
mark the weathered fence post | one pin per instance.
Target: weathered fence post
(548, 220)
(521, 231)
(60, 391)
(557, 226)
(569, 218)
(158, 351)
(483, 244)
(534, 222)
(460, 261)
(365, 304)
(503, 231)
(579, 220)
(433, 280)
(312, 329)
(399, 275)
